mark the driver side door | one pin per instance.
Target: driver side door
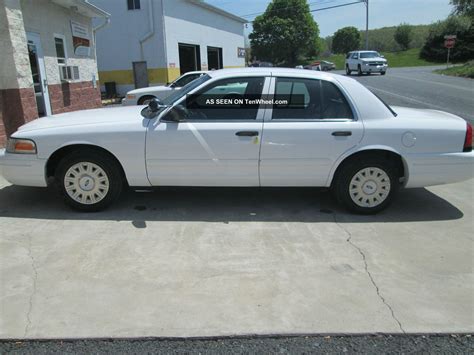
(209, 146)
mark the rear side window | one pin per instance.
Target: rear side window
(309, 99)
(335, 104)
(303, 97)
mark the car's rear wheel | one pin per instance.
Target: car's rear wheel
(89, 180)
(145, 100)
(348, 71)
(366, 186)
(359, 70)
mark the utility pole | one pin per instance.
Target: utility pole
(366, 24)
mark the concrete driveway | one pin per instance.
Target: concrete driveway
(208, 262)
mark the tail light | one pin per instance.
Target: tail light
(468, 139)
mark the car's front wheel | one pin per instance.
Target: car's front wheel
(382, 73)
(89, 180)
(145, 100)
(366, 186)
(359, 70)
(348, 71)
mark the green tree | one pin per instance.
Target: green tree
(403, 36)
(462, 27)
(463, 7)
(345, 40)
(285, 33)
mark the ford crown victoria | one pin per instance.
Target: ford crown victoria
(340, 136)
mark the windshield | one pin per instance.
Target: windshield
(369, 55)
(176, 95)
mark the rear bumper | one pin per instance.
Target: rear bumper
(23, 169)
(439, 169)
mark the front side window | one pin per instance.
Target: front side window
(220, 100)
(60, 50)
(133, 4)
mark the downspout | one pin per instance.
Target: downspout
(165, 49)
(94, 32)
(151, 32)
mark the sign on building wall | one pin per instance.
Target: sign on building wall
(80, 39)
(241, 52)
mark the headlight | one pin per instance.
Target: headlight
(21, 146)
(131, 97)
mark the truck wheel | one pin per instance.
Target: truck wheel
(89, 180)
(359, 70)
(382, 73)
(348, 71)
(366, 186)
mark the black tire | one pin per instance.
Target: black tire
(145, 99)
(359, 70)
(345, 174)
(382, 73)
(348, 71)
(108, 165)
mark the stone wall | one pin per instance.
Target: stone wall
(68, 97)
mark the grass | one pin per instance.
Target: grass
(466, 70)
(409, 58)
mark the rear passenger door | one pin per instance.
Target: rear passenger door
(301, 144)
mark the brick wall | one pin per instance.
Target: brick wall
(67, 97)
(17, 106)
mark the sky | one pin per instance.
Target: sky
(382, 13)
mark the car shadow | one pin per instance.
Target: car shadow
(225, 205)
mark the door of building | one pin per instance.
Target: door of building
(140, 74)
(189, 57)
(38, 71)
(214, 58)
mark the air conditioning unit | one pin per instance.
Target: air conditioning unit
(69, 72)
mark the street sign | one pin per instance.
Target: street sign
(449, 43)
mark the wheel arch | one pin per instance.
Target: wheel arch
(63, 151)
(145, 96)
(378, 151)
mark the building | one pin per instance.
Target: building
(47, 59)
(150, 42)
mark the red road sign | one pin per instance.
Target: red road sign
(449, 43)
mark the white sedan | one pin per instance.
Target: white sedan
(340, 135)
(143, 96)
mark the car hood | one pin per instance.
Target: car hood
(85, 117)
(149, 89)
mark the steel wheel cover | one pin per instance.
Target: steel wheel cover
(86, 183)
(369, 187)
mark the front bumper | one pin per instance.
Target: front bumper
(438, 169)
(23, 169)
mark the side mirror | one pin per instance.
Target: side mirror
(154, 106)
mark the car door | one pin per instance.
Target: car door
(301, 143)
(211, 146)
(354, 61)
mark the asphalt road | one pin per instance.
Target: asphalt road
(364, 344)
(420, 87)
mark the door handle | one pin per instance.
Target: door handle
(342, 133)
(247, 133)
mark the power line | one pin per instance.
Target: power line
(333, 7)
(289, 7)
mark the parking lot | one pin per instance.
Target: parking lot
(182, 262)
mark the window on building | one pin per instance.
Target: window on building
(60, 50)
(133, 4)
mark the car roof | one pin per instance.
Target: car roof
(269, 71)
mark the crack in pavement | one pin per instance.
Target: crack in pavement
(35, 277)
(366, 266)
